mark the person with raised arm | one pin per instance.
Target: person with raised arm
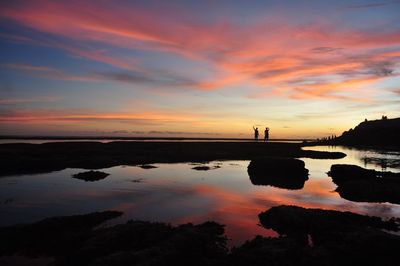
(266, 134)
(255, 133)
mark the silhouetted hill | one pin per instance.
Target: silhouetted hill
(383, 133)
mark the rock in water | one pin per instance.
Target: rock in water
(91, 175)
(147, 166)
(358, 184)
(286, 173)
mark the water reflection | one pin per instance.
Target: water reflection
(380, 160)
(177, 194)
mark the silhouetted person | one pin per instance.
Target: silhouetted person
(255, 133)
(266, 134)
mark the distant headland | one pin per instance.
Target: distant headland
(383, 133)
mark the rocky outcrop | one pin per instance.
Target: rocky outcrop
(378, 133)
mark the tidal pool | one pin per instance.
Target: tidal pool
(176, 193)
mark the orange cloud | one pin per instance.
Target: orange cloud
(271, 53)
(74, 116)
(331, 90)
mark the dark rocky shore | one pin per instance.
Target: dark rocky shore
(358, 184)
(308, 237)
(40, 158)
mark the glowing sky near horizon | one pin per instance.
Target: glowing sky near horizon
(197, 68)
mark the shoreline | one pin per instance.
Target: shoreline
(10, 137)
(22, 158)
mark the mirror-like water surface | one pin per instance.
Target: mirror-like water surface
(177, 194)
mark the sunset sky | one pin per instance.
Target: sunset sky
(197, 68)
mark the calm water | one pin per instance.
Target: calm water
(177, 194)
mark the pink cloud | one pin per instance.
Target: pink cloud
(290, 60)
(71, 116)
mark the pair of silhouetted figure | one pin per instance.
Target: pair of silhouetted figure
(256, 134)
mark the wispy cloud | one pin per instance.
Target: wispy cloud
(46, 72)
(372, 5)
(160, 78)
(63, 116)
(297, 61)
(12, 101)
(325, 49)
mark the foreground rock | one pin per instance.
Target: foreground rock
(51, 236)
(337, 239)
(73, 241)
(91, 176)
(321, 237)
(40, 158)
(295, 221)
(286, 173)
(358, 184)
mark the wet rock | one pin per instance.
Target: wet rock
(91, 176)
(51, 236)
(338, 238)
(272, 251)
(147, 166)
(75, 241)
(358, 184)
(286, 173)
(205, 167)
(146, 243)
(291, 220)
(346, 172)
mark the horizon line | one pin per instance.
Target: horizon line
(60, 137)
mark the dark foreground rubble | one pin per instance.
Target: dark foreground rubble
(307, 237)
